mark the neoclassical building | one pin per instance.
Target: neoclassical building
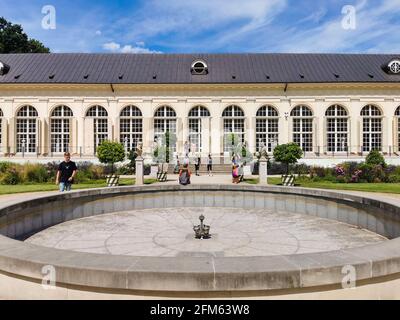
(332, 105)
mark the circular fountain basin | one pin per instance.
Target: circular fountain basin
(139, 241)
(236, 232)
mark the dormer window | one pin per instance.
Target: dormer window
(3, 68)
(394, 66)
(199, 67)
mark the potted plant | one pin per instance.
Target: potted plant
(288, 154)
(110, 153)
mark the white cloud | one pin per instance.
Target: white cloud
(111, 46)
(98, 33)
(186, 19)
(130, 49)
(116, 47)
(374, 32)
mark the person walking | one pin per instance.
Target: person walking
(209, 165)
(66, 173)
(197, 165)
(184, 175)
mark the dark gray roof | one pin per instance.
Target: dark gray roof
(175, 68)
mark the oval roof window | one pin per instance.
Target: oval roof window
(3, 68)
(199, 67)
(394, 66)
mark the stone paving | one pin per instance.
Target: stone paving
(169, 232)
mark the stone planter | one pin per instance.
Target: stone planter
(112, 180)
(288, 180)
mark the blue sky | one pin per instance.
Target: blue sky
(183, 26)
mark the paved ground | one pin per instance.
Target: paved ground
(169, 232)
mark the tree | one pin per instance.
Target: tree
(13, 39)
(163, 151)
(238, 149)
(288, 153)
(110, 153)
(375, 158)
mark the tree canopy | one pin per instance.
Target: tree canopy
(110, 152)
(13, 39)
(288, 153)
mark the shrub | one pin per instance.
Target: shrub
(81, 176)
(11, 177)
(375, 158)
(97, 172)
(318, 172)
(301, 169)
(366, 173)
(378, 174)
(4, 166)
(34, 173)
(124, 170)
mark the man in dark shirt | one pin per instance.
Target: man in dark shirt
(66, 173)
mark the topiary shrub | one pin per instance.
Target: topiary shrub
(288, 154)
(110, 153)
(375, 158)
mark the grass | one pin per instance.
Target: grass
(22, 188)
(366, 187)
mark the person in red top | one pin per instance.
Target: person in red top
(184, 175)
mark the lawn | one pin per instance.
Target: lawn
(367, 187)
(22, 188)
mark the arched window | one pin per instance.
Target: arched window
(234, 123)
(100, 124)
(397, 115)
(267, 121)
(27, 129)
(1, 128)
(195, 126)
(371, 128)
(303, 127)
(337, 129)
(164, 121)
(131, 127)
(60, 129)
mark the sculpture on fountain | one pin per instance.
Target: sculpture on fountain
(202, 231)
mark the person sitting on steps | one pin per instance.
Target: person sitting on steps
(184, 175)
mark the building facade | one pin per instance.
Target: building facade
(333, 106)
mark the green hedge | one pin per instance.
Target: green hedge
(13, 173)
